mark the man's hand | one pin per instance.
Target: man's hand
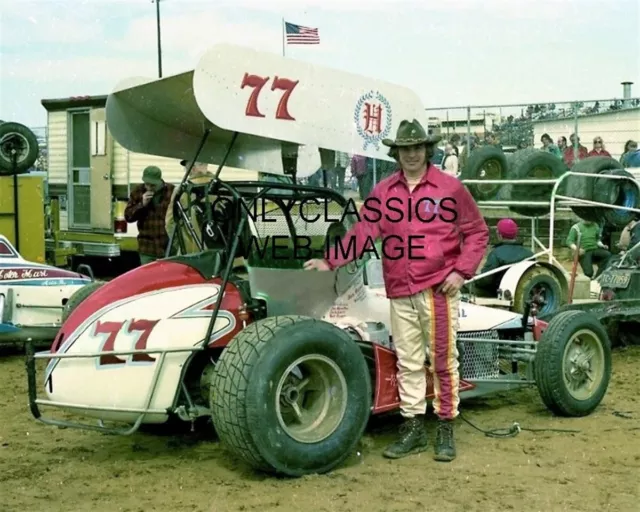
(603, 246)
(146, 198)
(452, 284)
(317, 264)
(574, 248)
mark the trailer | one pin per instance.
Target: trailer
(90, 179)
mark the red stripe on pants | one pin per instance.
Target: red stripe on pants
(444, 360)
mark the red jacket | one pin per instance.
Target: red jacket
(568, 155)
(450, 234)
(603, 152)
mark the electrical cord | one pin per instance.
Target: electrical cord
(515, 429)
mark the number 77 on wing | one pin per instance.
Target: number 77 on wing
(280, 86)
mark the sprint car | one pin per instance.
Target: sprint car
(289, 365)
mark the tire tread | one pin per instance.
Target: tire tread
(230, 380)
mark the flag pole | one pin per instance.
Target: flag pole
(283, 36)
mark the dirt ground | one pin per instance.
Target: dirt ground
(44, 468)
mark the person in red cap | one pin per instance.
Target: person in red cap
(506, 252)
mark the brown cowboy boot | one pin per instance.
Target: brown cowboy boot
(413, 439)
(445, 447)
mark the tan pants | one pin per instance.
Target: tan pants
(426, 323)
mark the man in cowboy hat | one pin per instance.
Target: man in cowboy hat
(424, 285)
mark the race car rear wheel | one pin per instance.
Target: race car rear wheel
(291, 395)
(572, 367)
(79, 296)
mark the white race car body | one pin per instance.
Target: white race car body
(145, 311)
(32, 296)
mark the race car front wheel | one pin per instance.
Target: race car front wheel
(291, 395)
(572, 366)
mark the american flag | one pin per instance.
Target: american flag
(297, 34)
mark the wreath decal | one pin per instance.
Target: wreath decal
(369, 139)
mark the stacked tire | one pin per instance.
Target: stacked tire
(615, 192)
(487, 162)
(18, 149)
(490, 162)
(532, 164)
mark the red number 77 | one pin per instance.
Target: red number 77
(114, 328)
(257, 83)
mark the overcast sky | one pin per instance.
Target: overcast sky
(452, 52)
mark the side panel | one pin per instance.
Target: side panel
(57, 147)
(263, 94)
(387, 397)
(30, 214)
(37, 304)
(360, 303)
(170, 318)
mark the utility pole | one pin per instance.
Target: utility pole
(157, 2)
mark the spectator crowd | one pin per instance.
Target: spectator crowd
(365, 172)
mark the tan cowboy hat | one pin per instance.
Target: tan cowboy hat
(411, 133)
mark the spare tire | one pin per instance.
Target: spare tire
(582, 187)
(617, 192)
(16, 138)
(486, 162)
(532, 164)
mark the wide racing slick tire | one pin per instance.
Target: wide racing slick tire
(532, 164)
(583, 187)
(283, 368)
(572, 366)
(79, 296)
(487, 162)
(538, 279)
(17, 137)
(623, 193)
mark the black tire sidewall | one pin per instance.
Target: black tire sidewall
(6, 167)
(79, 296)
(475, 162)
(550, 367)
(609, 191)
(582, 187)
(274, 445)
